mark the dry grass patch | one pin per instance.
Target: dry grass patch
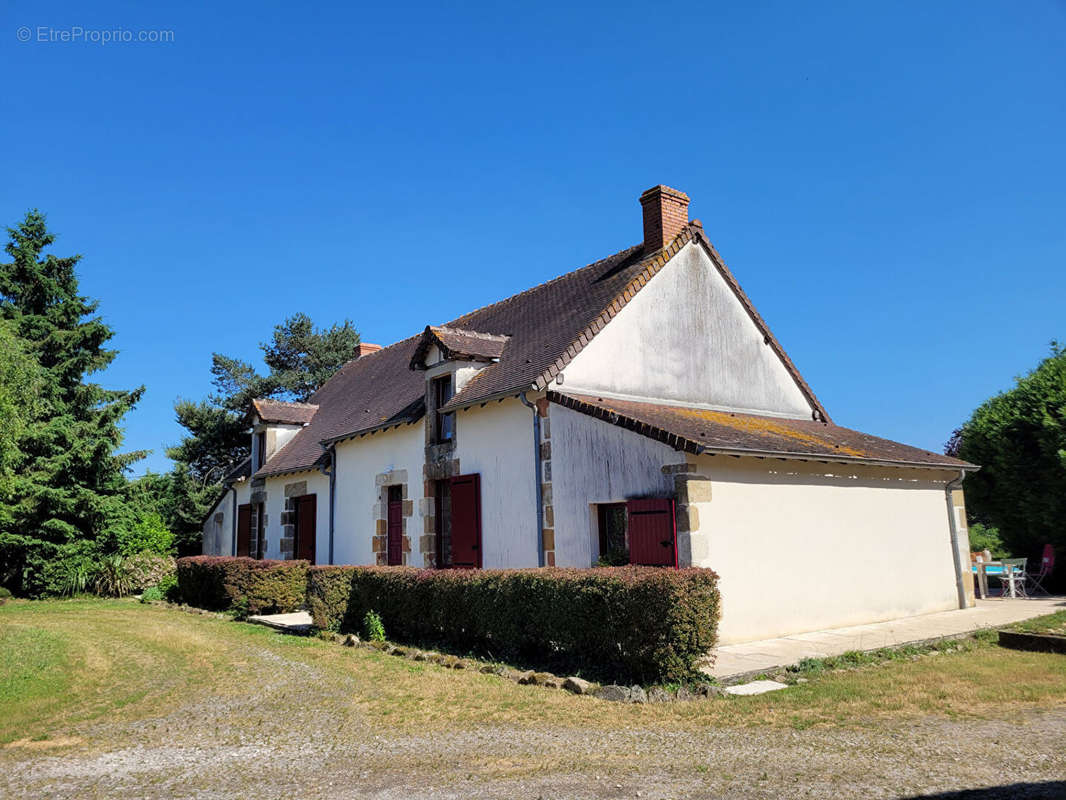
(66, 663)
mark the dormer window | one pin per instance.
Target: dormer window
(444, 424)
(260, 449)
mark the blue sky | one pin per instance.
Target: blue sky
(885, 180)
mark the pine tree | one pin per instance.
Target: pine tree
(71, 483)
(300, 358)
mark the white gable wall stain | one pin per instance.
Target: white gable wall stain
(686, 338)
(595, 462)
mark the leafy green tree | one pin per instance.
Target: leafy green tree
(1019, 440)
(299, 358)
(70, 486)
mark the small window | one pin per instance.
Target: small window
(445, 421)
(260, 449)
(614, 534)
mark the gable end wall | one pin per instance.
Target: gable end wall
(687, 339)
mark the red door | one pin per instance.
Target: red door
(244, 529)
(466, 521)
(395, 527)
(305, 527)
(652, 533)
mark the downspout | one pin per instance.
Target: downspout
(537, 477)
(949, 487)
(332, 473)
(233, 533)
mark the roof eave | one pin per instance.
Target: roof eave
(785, 455)
(395, 423)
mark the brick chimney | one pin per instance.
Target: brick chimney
(665, 214)
(363, 349)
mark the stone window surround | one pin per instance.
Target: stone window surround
(288, 518)
(259, 526)
(379, 541)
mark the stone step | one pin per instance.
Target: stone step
(295, 622)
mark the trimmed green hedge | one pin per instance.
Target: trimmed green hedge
(630, 623)
(223, 582)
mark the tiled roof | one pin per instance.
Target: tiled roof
(697, 430)
(374, 391)
(270, 410)
(458, 343)
(543, 328)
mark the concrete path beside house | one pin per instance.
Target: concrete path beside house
(754, 657)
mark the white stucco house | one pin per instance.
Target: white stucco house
(638, 409)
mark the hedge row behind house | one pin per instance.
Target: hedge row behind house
(223, 582)
(631, 623)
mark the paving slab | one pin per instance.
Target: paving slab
(296, 622)
(755, 687)
(746, 658)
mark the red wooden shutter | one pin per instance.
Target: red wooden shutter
(394, 538)
(244, 529)
(652, 533)
(466, 521)
(306, 513)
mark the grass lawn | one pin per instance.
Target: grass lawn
(1050, 623)
(98, 674)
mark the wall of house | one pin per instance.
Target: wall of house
(278, 489)
(801, 547)
(592, 462)
(686, 338)
(496, 441)
(365, 465)
(218, 526)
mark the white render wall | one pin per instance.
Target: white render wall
(317, 484)
(496, 441)
(359, 461)
(596, 462)
(218, 539)
(801, 547)
(685, 338)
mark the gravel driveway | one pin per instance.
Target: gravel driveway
(283, 741)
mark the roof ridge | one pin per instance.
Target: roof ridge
(543, 284)
(283, 402)
(470, 332)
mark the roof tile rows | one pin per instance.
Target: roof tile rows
(697, 430)
(270, 410)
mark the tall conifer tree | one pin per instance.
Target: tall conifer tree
(70, 484)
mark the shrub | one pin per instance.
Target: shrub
(148, 533)
(35, 568)
(373, 627)
(148, 569)
(153, 594)
(629, 623)
(168, 585)
(218, 582)
(112, 577)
